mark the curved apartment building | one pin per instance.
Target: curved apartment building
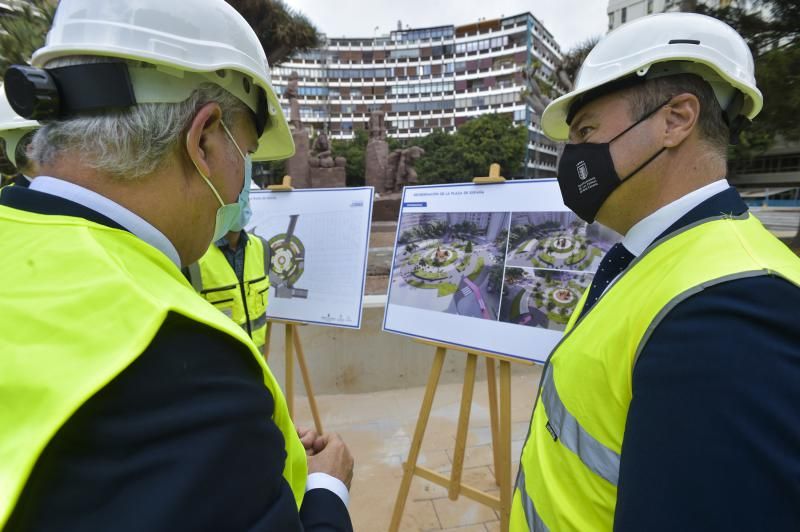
(426, 79)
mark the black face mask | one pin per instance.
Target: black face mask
(586, 173)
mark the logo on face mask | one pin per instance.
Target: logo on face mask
(583, 170)
(584, 181)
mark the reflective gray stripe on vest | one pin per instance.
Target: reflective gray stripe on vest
(535, 523)
(563, 426)
(196, 276)
(266, 251)
(258, 322)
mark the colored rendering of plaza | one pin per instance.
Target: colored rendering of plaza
(451, 262)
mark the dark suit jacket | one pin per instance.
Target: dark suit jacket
(181, 440)
(712, 440)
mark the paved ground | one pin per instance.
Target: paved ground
(379, 426)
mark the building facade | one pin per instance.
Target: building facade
(622, 11)
(427, 79)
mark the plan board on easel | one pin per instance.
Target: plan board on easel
(493, 268)
(318, 240)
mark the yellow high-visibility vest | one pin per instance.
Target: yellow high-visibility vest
(570, 462)
(86, 300)
(245, 303)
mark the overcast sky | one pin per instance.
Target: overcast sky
(570, 21)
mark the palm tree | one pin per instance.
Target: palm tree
(23, 31)
(282, 31)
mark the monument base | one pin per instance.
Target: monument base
(328, 177)
(297, 165)
(377, 162)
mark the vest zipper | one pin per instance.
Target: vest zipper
(244, 297)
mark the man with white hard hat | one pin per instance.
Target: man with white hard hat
(672, 402)
(128, 401)
(16, 134)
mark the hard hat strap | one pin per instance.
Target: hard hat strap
(62, 92)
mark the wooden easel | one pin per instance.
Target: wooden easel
(293, 348)
(500, 421)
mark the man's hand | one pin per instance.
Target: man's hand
(333, 458)
(312, 442)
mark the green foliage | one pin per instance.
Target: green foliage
(477, 271)
(491, 138)
(442, 163)
(775, 43)
(516, 304)
(547, 258)
(468, 247)
(24, 31)
(573, 59)
(514, 275)
(430, 276)
(495, 279)
(355, 152)
(444, 289)
(281, 30)
(576, 257)
(447, 289)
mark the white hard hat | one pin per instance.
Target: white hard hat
(13, 127)
(657, 46)
(189, 42)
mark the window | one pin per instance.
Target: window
(411, 53)
(649, 6)
(624, 15)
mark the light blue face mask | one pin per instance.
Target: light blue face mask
(233, 216)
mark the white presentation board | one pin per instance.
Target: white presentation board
(318, 240)
(494, 268)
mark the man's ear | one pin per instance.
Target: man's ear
(683, 114)
(205, 124)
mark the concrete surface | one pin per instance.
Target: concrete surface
(366, 360)
(378, 428)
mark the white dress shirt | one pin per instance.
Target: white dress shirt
(641, 235)
(110, 209)
(644, 233)
(146, 232)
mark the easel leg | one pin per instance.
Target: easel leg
(505, 440)
(491, 380)
(463, 424)
(288, 342)
(267, 336)
(301, 360)
(416, 442)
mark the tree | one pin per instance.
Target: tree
(467, 153)
(468, 248)
(441, 163)
(495, 279)
(774, 40)
(282, 31)
(572, 61)
(354, 151)
(492, 138)
(24, 31)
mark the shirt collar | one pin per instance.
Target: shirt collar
(223, 241)
(641, 235)
(110, 209)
